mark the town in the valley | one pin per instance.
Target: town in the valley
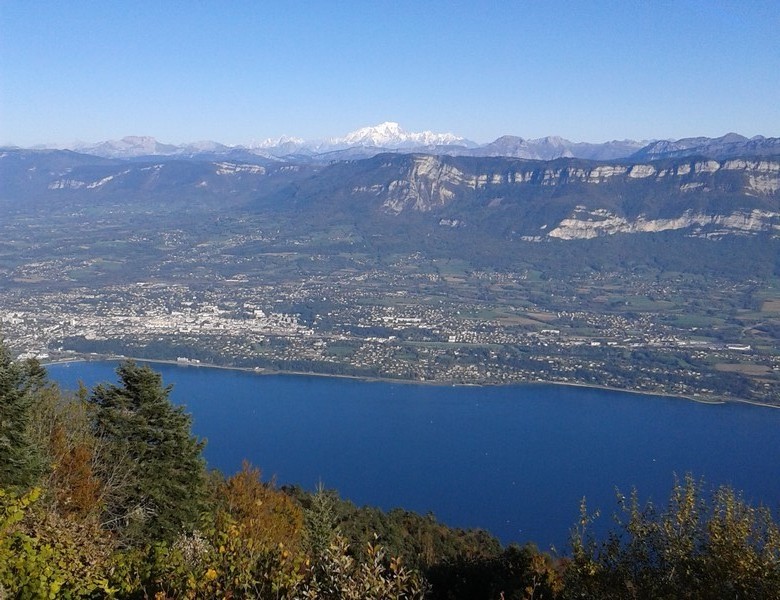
(422, 320)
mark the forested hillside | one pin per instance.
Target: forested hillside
(105, 493)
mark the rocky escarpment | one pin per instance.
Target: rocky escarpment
(148, 175)
(705, 196)
(430, 181)
(513, 198)
(588, 224)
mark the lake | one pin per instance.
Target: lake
(514, 460)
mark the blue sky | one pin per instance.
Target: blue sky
(238, 71)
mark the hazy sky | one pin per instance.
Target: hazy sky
(236, 71)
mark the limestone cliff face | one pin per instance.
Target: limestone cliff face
(707, 197)
(146, 176)
(566, 198)
(430, 181)
(585, 224)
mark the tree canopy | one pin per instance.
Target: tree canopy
(163, 477)
(20, 460)
(121, 507)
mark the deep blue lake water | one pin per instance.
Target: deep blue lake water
(514, 460)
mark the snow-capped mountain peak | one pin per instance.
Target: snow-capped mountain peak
(390, 135)
(280, 141)
(377, 135)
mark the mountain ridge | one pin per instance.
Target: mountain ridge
(514, 198)
(366, 142)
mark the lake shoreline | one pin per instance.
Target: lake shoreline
(262, 371)
(513, 460)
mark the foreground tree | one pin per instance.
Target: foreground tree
(162, 490)
(20, 460)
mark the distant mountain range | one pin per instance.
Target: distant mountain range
(367, 142)
(481, 197)
(438, 187)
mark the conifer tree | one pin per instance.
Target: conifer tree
(163, 483)
(20, 460)
(320, 521)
